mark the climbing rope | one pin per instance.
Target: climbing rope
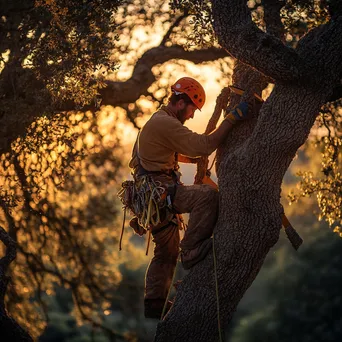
(144, 198)
(168, 293)
(212, 163)
(221, 104)
(148, 241)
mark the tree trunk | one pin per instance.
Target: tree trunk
(249, 219)
(252, 164)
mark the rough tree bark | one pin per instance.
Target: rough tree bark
(252, 164)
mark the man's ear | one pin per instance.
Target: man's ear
(181, 104)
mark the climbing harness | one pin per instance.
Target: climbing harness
(144, 198)
(147, 198)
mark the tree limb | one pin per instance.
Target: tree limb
(274, 26)
(117, 93)
(243, 40)
(4, 264)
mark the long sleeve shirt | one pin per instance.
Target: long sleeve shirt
(162, 136)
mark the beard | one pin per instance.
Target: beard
(181, 115)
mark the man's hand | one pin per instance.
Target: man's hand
(238, 113)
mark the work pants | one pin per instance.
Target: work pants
(201, 201)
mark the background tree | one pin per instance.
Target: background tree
(59, 220)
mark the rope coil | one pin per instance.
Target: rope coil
(144, 198)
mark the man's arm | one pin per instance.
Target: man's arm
(220, 133)
(237, 114)
(181, 139)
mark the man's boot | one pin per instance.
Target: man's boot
(191, 257)
(154, 308)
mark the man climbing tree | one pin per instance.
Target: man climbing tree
(51, 52)
(161, 143)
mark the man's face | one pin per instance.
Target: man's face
(185, 111)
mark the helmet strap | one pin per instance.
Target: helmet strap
(177, 92)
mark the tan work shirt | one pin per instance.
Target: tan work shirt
(162, 136)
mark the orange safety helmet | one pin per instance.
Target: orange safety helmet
(192, 88)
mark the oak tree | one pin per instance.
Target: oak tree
(59, 57)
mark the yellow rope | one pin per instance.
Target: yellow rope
(148, 240)
(148, 216)
(150, 209)
(168, 293)
(221, 104)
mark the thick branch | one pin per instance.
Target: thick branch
(323, 48)
(274, 26)
(243, 40)
(117, 93)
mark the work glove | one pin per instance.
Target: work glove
(238, 113)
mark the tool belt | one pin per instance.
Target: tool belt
(140, 171)
(148, 198)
